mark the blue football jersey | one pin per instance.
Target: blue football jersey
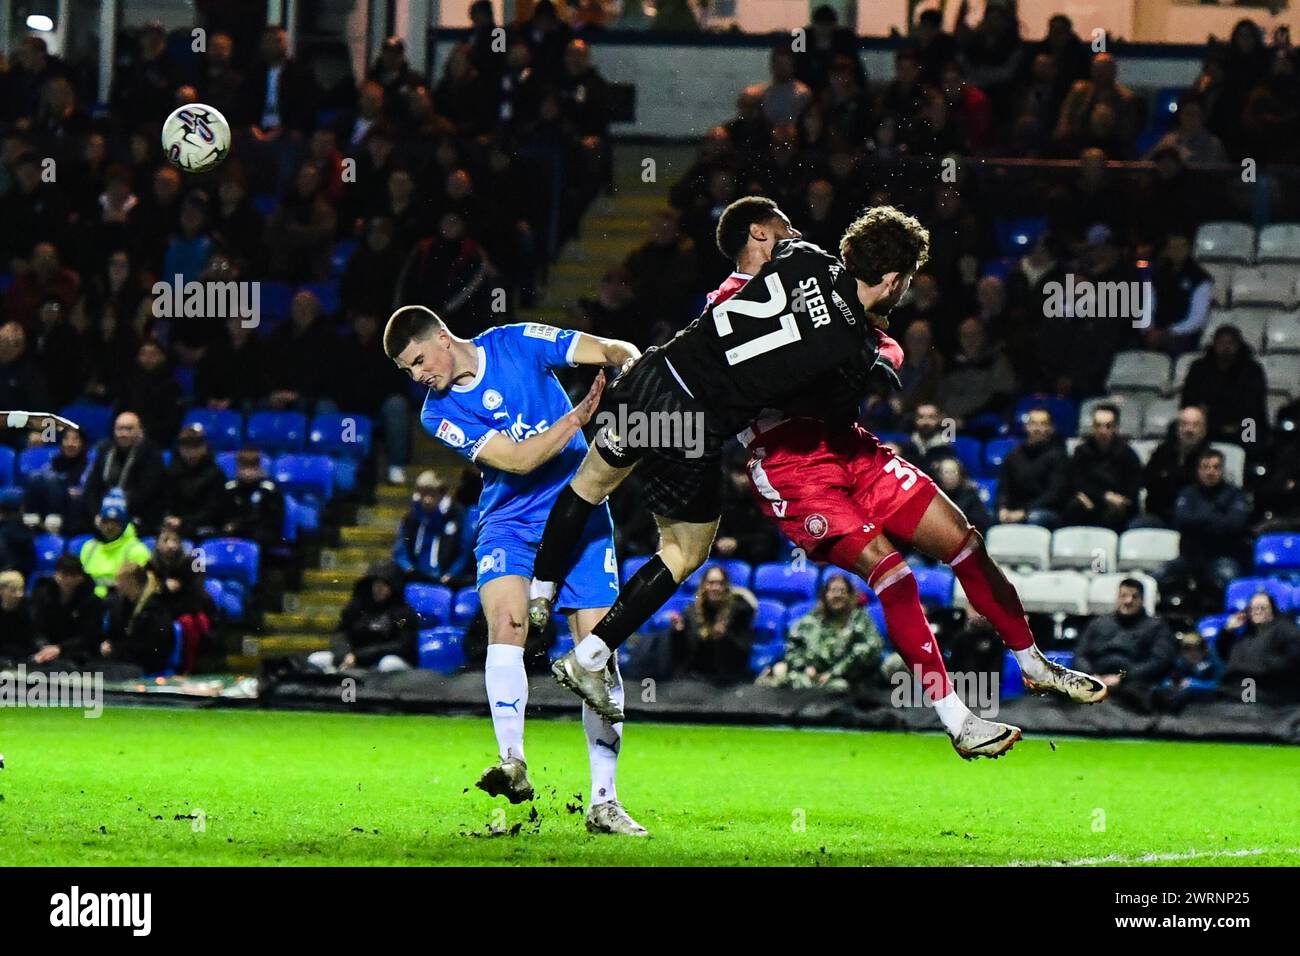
(517, 394)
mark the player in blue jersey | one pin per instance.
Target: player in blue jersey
(495, 399)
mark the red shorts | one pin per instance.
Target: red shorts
(831, 490)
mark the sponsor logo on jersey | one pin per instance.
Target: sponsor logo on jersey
(492, 399)
(451, 433)
(843, 307)
(478, 446)
(816, 525)
(520, 429)
(535, 330)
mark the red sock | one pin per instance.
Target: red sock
(992, 595)
(909, 631)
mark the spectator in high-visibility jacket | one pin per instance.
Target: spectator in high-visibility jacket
(115, 543)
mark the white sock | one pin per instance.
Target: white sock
(507, 694)
(1031, 662)
(593, 653)
(541, 589)
(952, 710)
(604, 741)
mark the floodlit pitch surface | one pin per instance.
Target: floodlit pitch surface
(223, 787)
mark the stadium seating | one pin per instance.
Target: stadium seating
(432, 602)
(1277, 552)
(76, 543)
(995, 453)
(1282, 372)
(970, 452)
(226, 462)
(1085, 548)
(632, 565)
(1020, 545)
(1103, 591)
(341, 435)
(1225, 242)
(1053, 591)
(442, 649)
(275, 301)
(465, 606)
(224, 429)
(1143, 448)
(1158, 416)
(32, 460)
(327, 294)
(738, 572)
(1249, 321)
(277, 431)
(1064, 412)
(934, 585)
(763, 656)
(1264, 285)
(308, 476)
(1130, 413)
(1234, 461)
(1282, 333)
(782, 582)
(988, 491)
(1139, 371)
(1147, 549)
(228, 600)
(1221, 276)
(769, 621)
(7, 460)
(95, 421)
(1239, 592)
(48, 549)
(231, 559)
(796, 611)
(1211, 627)
(1279, 242)
(673, 607)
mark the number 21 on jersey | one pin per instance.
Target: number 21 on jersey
(775, 304)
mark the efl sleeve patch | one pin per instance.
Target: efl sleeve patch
(451, 433)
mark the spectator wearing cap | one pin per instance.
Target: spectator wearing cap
(1211, 516)
(139, 630)
(1105, 475)
(252, 506)
(69, 616)
(17, 632)
(1128, 648)
(435, 543)
(17, 547)
(133, 463)
(194, 485)
(115, 543)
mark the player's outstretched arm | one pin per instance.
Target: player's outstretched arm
(519, 458)
(594, 350)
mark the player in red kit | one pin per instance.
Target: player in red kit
(843, 497)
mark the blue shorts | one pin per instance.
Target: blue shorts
(510, 549)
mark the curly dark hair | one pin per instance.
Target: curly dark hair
(884, 240)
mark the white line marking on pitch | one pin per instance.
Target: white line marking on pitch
(1154, 857)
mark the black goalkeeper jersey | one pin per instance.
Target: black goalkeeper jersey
(795, 333)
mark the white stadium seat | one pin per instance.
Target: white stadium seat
(1251, 322)
(1089, 549)
(1143, 447)
(1181, 368)
(1146, 549)
(1157, 417)
(1019, 545)
(1225, 242)
(1103, 591)
(1265, 285)
(1282, 372)
(1053, 591)
(1221, 273)
(1130, 412)
(1234, 461)
(1279, 242)
(1139, 371)
(1283, 332)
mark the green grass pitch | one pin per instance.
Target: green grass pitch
(352, 789)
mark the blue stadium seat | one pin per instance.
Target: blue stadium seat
(7, 458)
(631, 566)
(431, 601)
(226, 462)
(1011, 686)
(1242, 590)
(1211, 627)
(1277, 552)
(231, 559)
(32, 460)
(995, 452)
(341, 435)
(1166, 108)
(738, 571)
(96, 421)
(228, 598)
(442, 649)
(327, 294)
(877, 613)
(265, 203)
(859, 585)
(75, 544)
(970, 452)
(663, 618)
(339, 256)
(277, 431)
(310, 477)
(763, 656)
(274, 301)
(1016, 236)
(988, 491)
(465, 606)
(796, 611)
(224, 429)
(48, 549)
(782, 582)
(1064, 412)
(769, 621)
(935, 585)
